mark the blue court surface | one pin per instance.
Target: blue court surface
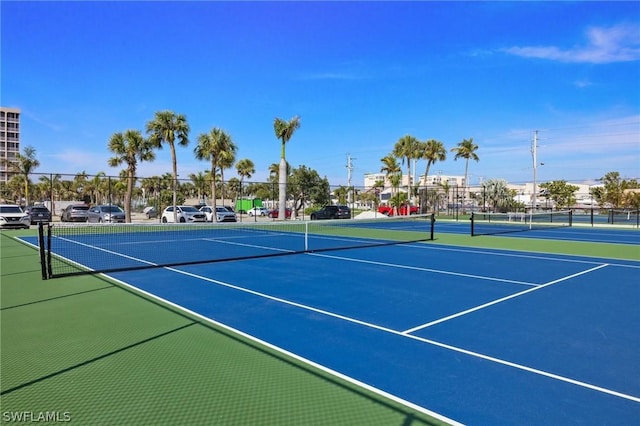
(473, 336)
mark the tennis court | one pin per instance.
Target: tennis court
(469, 335)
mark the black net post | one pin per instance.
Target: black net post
(433, 222)
(472, 223)
(48, 251)
(43, 256)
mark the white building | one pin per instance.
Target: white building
(370, 179)
(9, 138)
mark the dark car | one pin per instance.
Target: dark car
(38, 214)
(150, 212)
(75, 213)
(332, 212)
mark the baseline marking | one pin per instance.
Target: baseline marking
(428, 341)
(495, 302)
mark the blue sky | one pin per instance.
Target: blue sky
(359, 74)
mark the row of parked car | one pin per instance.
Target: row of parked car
(12, 215)
(226, 214)
(190, 214)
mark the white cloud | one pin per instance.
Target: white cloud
(581, 84)
(619, 43)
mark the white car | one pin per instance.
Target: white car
(12, 216)
(184, 214)
(258, 211)
(222, 214)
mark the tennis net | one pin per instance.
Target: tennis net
(624, 217)
(501, 223)
(73, 249)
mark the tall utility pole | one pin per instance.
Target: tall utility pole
(349, 169)
(534, 154)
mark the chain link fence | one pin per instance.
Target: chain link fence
(153, 194)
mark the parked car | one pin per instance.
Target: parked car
(150, 212)
(38, 214)
(332, 212)
(75, 213)
(258, 211)
(275, 213)
(184, 214)
(106, 214)
(12, 216)
(402, 210)
(222, 214)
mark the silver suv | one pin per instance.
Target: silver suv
(75, 213)
(12, 216)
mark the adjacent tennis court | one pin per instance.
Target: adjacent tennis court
(469, 335)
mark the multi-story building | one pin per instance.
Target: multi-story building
(370, 180)
(9, 138)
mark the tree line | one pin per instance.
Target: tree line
(297, 185)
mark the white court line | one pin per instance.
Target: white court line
(514, 253)
(409, 336)
(495, 302)
(234, 243)
(106, 251)
(388, 330)
(282, 350)
(418, 268)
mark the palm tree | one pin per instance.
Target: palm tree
(341, 193)
(392, 171)
(166, 127)
(95, 187)
(274, 178)
(23, 165)
(245, 169)
(284, 130)
(227, 158)
(274, 171)
(432, 151)
(79, 186)
(467, 150)
(214, 146)
(129, 147)
(51, 186)
(407, 147)
(199, 180)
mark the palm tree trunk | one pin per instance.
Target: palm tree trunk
(466, 184)
(127, 197)
(175, 179)
(26, 190)
(282, 188)
(213, 185)
(408, 186)
(222, 184)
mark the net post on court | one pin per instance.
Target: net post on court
(73, 249)
(501, 223)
